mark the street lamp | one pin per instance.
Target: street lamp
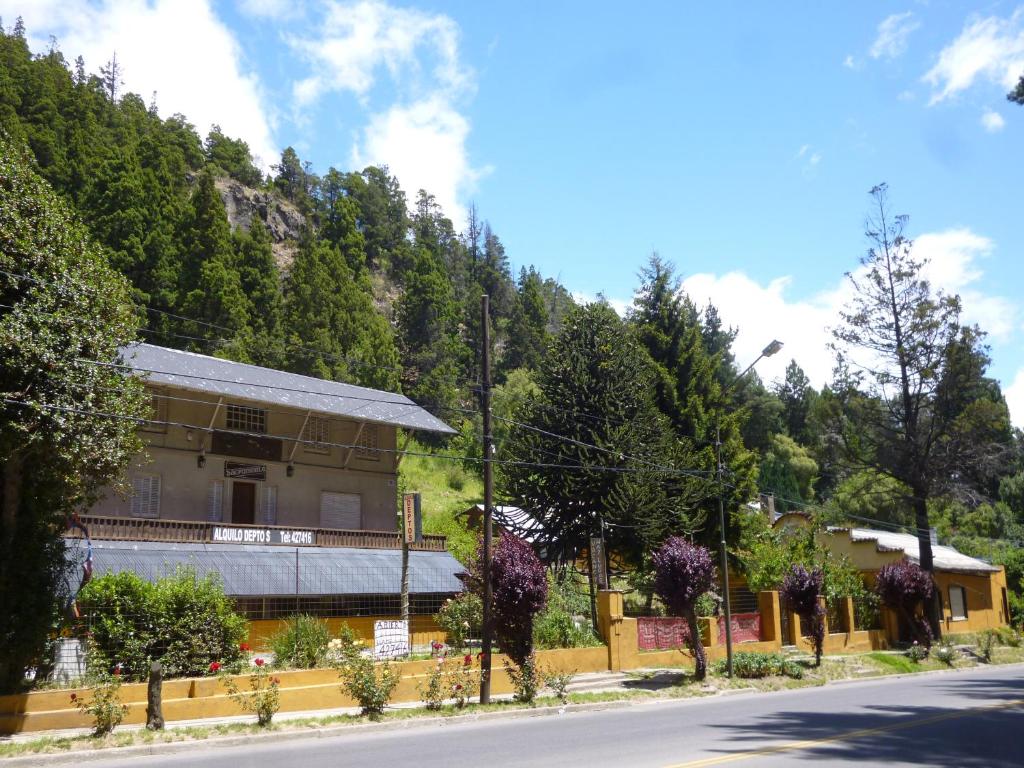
(768, 351)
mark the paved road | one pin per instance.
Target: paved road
(970, 718)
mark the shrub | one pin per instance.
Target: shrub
(986, 644)
(707, 604)
(1008, 636)
(558, 682)
(463, 681)
(683, 572)
(801, 591)
(520, 591)
(554, 628)
(904, 587)
(263, 697)
(945, 652)
(301, 643)
(751, 665)
(104, 704)
(917, 652)
(432, 690)
(368, 683)
(184, 621)
(461, 618)
(525, 679)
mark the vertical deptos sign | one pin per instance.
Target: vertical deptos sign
(412, 520)
(598, 563)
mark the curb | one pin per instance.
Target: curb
(215, 742)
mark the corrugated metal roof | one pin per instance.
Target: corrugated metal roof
(514, 520)
(212, 375)
(271, 571)
(945, 558)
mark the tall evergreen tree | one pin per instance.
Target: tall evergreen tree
(527, 332)
(797, 396)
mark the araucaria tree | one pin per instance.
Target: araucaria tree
(802, 591)
(682, 573)
(904, 587)
(67, 419)
(591, 449)
(520, 592)
(916, 408)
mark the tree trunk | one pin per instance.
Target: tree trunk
(700, 661)
(927, 560)
(154, 704)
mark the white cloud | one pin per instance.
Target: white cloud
(1015, 398)
(369, 47)
(621, 306)
(992, 121)
(809, 159)
(763, 312)
(849, 62)
(990, 47)
(423, 144)
(178, 48)
(893, 32)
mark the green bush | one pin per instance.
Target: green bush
(917, 652)
(554, 628)
(184, 621)
(751, 665)
(1008, 636)
(987, 644)
(461, 618)
(945, 652)
(302, 643)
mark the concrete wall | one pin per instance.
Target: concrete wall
(172, 452)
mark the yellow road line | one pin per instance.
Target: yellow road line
(798, 745)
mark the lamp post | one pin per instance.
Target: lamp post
(768, 351)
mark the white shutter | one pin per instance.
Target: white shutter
(146, 496)
(268, 505)
(215, 501)
(341, 510)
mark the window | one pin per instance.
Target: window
(268, 505)
(146, 496)
(341, 510)
(246, 419)
(157, 414)
(367, 444)
(316, 435)
(215, 501)
(957, 603)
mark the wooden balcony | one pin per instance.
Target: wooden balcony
(184, 531)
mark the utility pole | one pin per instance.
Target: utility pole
(485, 407)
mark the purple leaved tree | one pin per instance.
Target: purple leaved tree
(682, 573)
(520, 590)
(801, 592)
(904, 586)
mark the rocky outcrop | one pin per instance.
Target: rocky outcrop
(283, 220)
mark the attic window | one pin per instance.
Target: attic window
(246, 419)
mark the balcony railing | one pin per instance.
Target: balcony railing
(183, 531)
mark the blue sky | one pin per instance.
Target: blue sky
(737, 140)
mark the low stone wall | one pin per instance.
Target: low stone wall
(301, 690)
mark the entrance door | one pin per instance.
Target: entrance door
(243, 503)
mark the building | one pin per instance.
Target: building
(284, 485)
(973, 592)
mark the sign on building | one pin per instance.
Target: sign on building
(390, 639)
(238, 471)
(412, 520)
(226, 534)
(598, 563)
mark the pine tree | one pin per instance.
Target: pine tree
(527, 332)
(797, 396)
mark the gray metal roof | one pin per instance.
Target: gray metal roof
(271, 571)
(212, 375)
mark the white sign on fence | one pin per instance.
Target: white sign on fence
(390, 639)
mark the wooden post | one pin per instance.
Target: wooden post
(154, 705)
(485, 407)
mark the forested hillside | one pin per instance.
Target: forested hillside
(341, 274)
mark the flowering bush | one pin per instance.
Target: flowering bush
(801, 591)
(461, 618)
(905, 588)
(432, 690)
(463, 681)
(525, 679)
(945, 652)
(104, 704)
(368, 683)
(263, 697)
(452, 679)
(682, 573)
(917, 652)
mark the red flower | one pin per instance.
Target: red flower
(258, 662)
(74, 697)
(117, 670)
(215, 666)
(458, 686)
(244, 647)
(468, 660)
(276, 681)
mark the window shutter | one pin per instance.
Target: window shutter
(215, 501)
(146, 496)
(269, 505)
(341, 510)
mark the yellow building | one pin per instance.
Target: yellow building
(973, 592)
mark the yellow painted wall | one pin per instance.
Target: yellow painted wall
(423, 629)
